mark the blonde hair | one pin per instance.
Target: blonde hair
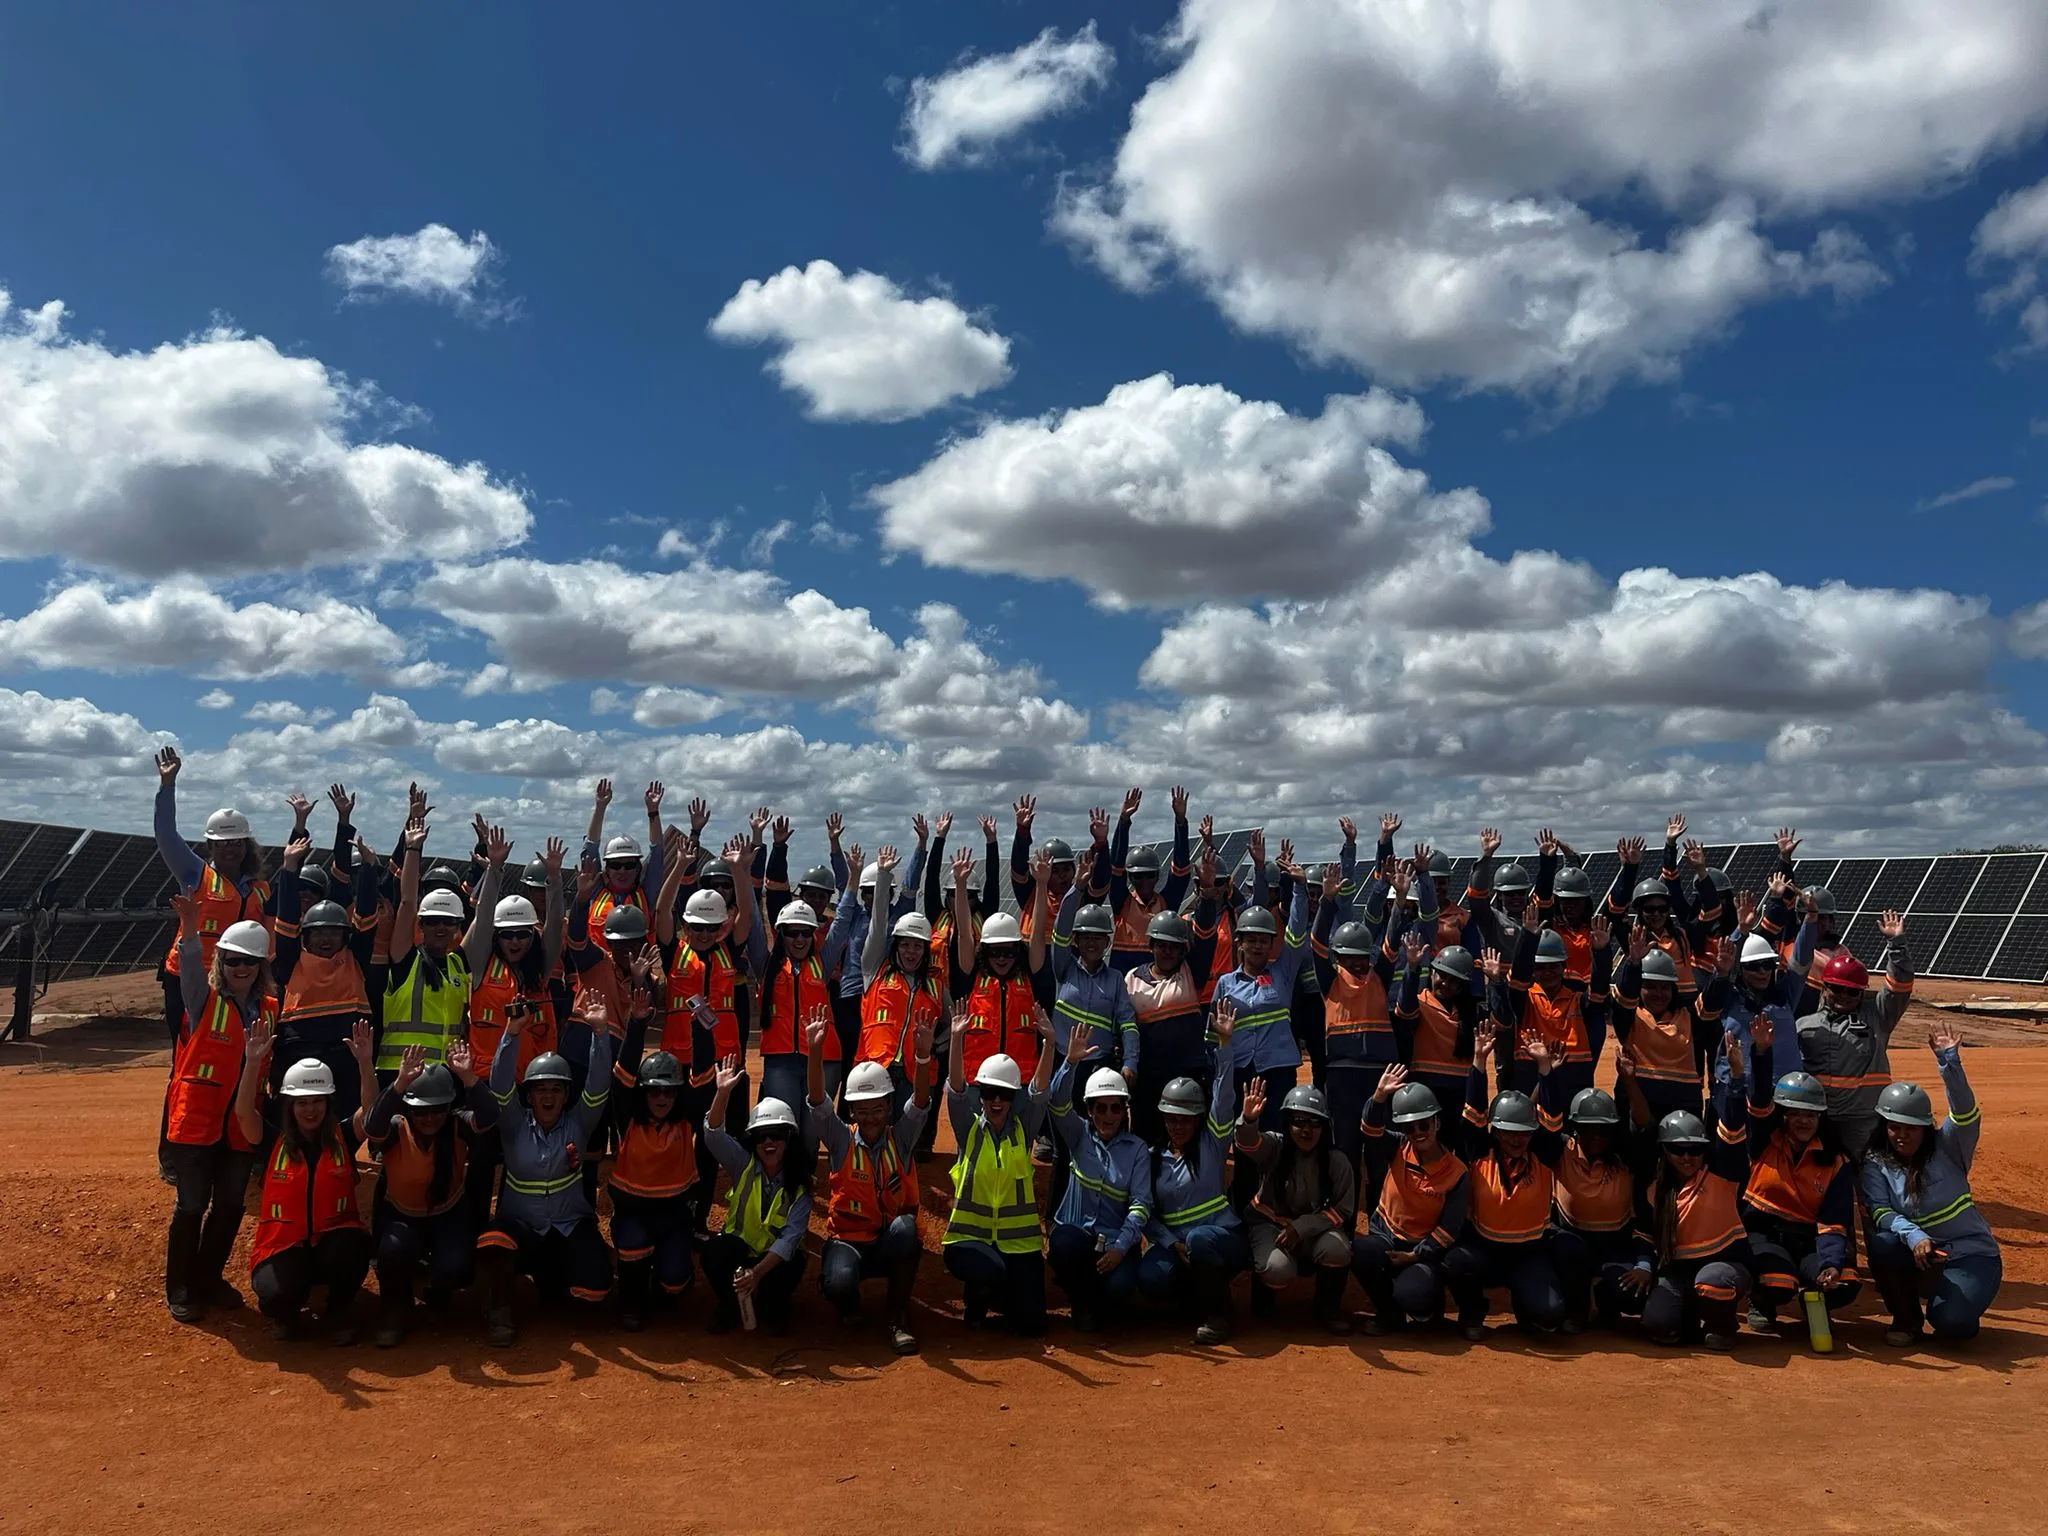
(216, 978)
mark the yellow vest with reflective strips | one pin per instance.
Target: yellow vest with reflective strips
(756, 1222)
(419, 1012)
(994, 1199)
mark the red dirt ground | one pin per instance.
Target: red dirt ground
(124, 1421)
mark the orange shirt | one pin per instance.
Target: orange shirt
(1594, 1196)
(1511, 1204)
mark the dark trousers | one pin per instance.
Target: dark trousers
(446, 1244)
(1010, 1283)
(893, 1256)
(1787, 1264)
(575, 1263)
(174, 1012)
(1566, 1079)
(701, 1194)
(1473, 1264)
(1589, 1270)
(1074, 1258)
(725, 1255)
(1706, 1294)
(1306, 1016)
(1665, 1098)
(653, 1238)
(1952, 1296)
(1400, 1294)
(782, 1077)
(1212, 1250)
(1347, 1085)
(211, 1184)
(339, 1260)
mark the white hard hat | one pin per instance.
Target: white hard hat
(771, 1112)
(797, 914)
(1106, 1083)
(515, 912)
(999, 1071)
(443, 904)
(869, 876)
(705, 907)
(246, 938)
(912, 925)
(311, 1078)
(1001, 928)
(227, 824)
(621, 848)
(1757, 950)
(869, 1080)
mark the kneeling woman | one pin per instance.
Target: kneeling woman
(1933, 1254)
(1101, 1217)
(1421, 1210)
(545, 1224)
(1194, 1242)
(1593, 1238)
(1801, 1195)
(992, 1241)
(1703, 1267)
(651, 1178)
(309, 1230)
(759, 1253)
(424, 1145)
(1301, 1215)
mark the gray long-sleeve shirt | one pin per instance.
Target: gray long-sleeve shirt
(544, 1168)
(734, 1158)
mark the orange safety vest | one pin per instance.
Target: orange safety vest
(1413, 1193)
(200, 1100)
(655, 1161)
(1594, 1197)
(1787, 1185)
(718, 980)
(1560, 1020)
(999, 1022)
(1663, 1047)
(1674, 944)
(1436, 1039)
(870, 1190)
(890, 1011)
(1131, 923)
(409, 1170)
(794, 992)
(220, 904)
(1450, 926)
(1225, 932)
(1578, 954)
(498, 985)
(605, 980)
(321, 986)
(1355, 1006)
(301, 1204)
(603, 901)
(1707, 1218)
(1511, 1205)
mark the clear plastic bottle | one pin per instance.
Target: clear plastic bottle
(747, 1315)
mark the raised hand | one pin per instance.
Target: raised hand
(921, 827)
(942, 823)
(1223, 1020)
(1489, 842)
(1404, 876)
(1638, 943)
(1348, 829)
(1546, 842)
(1780, 883)
(479, 826)
(1098, 825)
(1745, 911)
(1287, 864)
(1674, 827)
(415, 835)
(643, 965)
(1390, 823)
(1630, 850)
(988, 829)
(1084, 867)
(586, 876)
(1625, 1066)
(1599, 932)
(1491, 965)
(462, 1063)
(256, 1048)
(781, 829)
(817, 1028)
(921, 1038)
(1254, 1101)
(368, 856)
(1042, 1022)
(737, 850)
(551, 857)
(887, 859)
(1725, 965)
(1413, 949)
(497, 847)
(1538, 1050)
(361, 1042)
(411, 1063)
(834, 825)
(416, 807)
(1041, 865)
(1532, 913)
(343, 802)
(1731, 1052)
(167, 765)
(301, 807)
(855, 861)
(1205, 868)
(187, 908)
(963, 867)
(1392, 1076)
(1891, 926)
(1256, 847)
(1026, 809)
(296, 850)
(1942, 1035)
(656, 790)
(1696, 855)
(1422, 853)
(1207, 831)
(1333, 880)
(758, 819)
(1077, 1045)
(1762, 1033)
(700, 816)
(1787, 839)
(730, 1071)
(1132, 797)
(603, 793)
(1177, 797)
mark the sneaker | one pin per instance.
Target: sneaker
(1571, 1327)
(502, 1332)
(902, 1340)
(1214, 1331)
(1086, 1321)
(1902, 1338)
(1720, 1343)
(187, 1311)
(1760, 1321)
(217, 1293)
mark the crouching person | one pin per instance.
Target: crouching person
(758, 1256)
(1301, 1215)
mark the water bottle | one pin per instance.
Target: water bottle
(1818, 1329)
(746, 1302)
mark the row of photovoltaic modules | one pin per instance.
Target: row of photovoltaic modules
(1967, 915)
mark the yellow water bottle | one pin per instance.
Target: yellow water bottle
(1818, 1328)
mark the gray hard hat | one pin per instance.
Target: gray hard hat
(1550, 947)
(1183, 1096)
(1351, 939)
(1681, 1128)
(1257, 920)
(1651, 889)
(1906, 1104)
(1572, 884)
(536, 874)
(1167, 928)
(1305, 1099)
(1094, 918)
(1454, 960)
(434, 1088)
(324, 914)
(717, 869)
(442, 877)
(1800, 1090)
(547, 1067)
(1822, 900)
(1718, 879)
(1143, 861)
(1658, 966)
(625, 925)
(1414, 1103)
(1513, 878)
(1511, 1111)
(658, 1069)
(313, 878)
(818, 878)
(1058, 850)
(1593, 1106)
(1439, 865)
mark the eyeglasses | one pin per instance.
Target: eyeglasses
(237, 962)
(998, 1095)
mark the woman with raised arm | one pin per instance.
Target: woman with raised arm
(227, 882)
(309, 1229)
(227, 1002)
(1194, 1241)
(901, 996)
(1593, 1237)
(1421, 1210)
(1933, 1256)
(1100, 1223)
(426, 989)
(999, 986)
(321, 958)
(759, 1254)
(423, 1144)
(1166, 995)
(1301, 1214)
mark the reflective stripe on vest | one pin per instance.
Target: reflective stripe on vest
(747, 1219)
(432, 1015)
(993, 1196)
(870, 1191)
(220, 904)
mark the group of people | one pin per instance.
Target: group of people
(1364, 1072)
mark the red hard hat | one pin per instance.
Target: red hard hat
(1844, 970)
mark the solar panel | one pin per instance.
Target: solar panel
(144, 947)
(1807, 873)
(1971, 944)
(1750, 867)
(2004, 881)
(1600, 868)
(103, 868)
(1718, 854)
(1893, 889)
(1948, 883)
(38, 859)
(1852, 879)
(2035, 902)
(13, 835)
(2024, 954)
(1863, 940)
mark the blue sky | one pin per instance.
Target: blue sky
(1859, 347)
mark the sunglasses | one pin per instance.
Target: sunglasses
(999, 1095)
(438, 922)
(771, 1136)
(1306, 1123)
(237, 962)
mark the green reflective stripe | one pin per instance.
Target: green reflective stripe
(1948, 1212)
(1100, 1020)
(1879, 1212)
(1130, 1026)
(1222, 1129)
(594, 1100)
(1195, 1215)
(542, 1186)
(1966, 1116)
(1109, 1191)
(1260, 1020)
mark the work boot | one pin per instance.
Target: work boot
(181, 1254)
(1212, 1301)
(1472, 1325)
(219, 1294)
(1720, 1343)
(392, 1316)
(1329, 1302)
(500, 1331)
(635, 1291)
(725, 1317)
(1763, 1318)
(901, 1339)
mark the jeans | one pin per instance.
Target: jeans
(1708, 1293)
(339, 1260)
(1162, 1277)
(1409, 1293)
(1010, 1283)
(211, 1184)
(445, 1243)
(652, 1233)
(893, 1256)
(1952, 1296)
(1589, 1270)
(724, 1256)
(1074, 1259)
(783, 1077)
(1526, 1269)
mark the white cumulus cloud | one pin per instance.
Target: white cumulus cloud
(958, 117)
(432, 263)
(2012, 239)
(857, 348)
